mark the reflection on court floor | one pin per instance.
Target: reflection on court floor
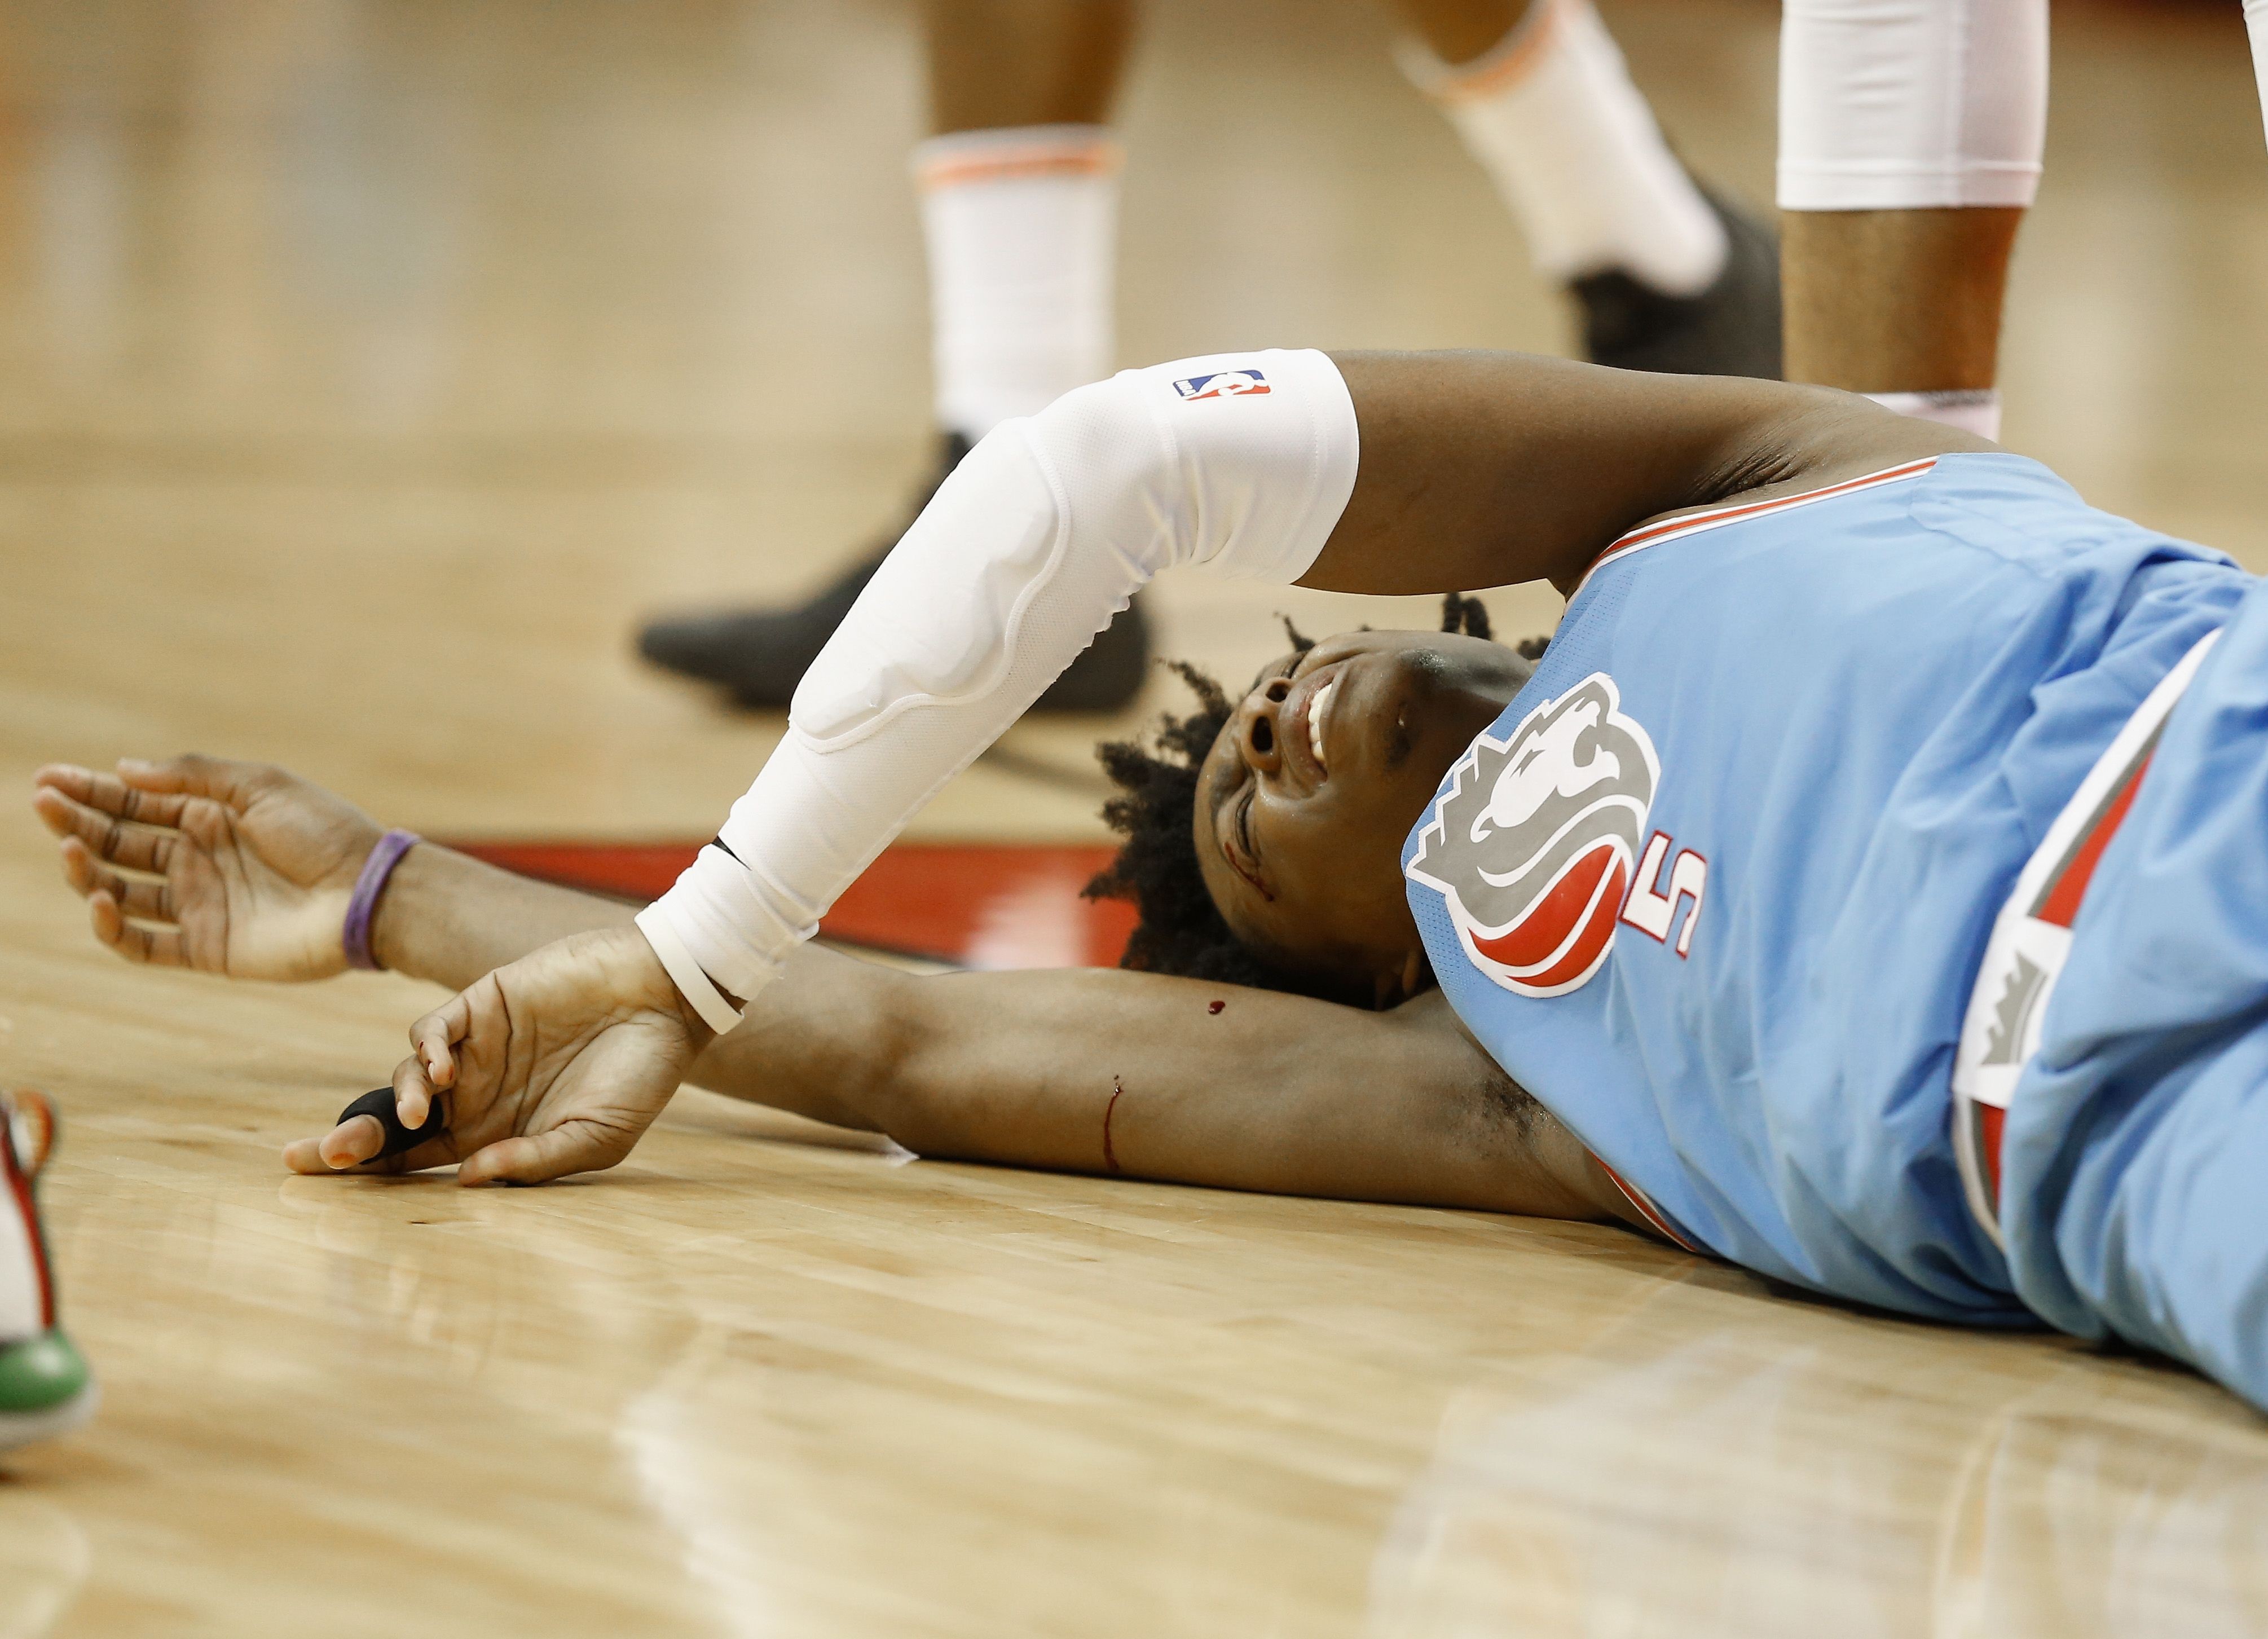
(1737, 1495)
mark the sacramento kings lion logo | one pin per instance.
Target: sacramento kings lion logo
(1532, 844)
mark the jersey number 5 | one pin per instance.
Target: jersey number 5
(1651, 911)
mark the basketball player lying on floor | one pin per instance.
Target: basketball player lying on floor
(1863, 888)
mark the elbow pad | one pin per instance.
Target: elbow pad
(1241, 462)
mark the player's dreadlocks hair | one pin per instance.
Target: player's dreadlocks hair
(1180, 930)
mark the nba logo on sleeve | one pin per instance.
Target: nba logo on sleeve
(1534, 841)
(1223, 384)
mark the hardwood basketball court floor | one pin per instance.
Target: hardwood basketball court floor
(367, 368)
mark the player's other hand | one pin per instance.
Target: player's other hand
(232, 868)
(553, 1065)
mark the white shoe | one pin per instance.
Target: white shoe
(45, 1386)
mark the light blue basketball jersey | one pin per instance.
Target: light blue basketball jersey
(1715, 886)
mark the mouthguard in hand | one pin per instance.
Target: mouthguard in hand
(399, 1140)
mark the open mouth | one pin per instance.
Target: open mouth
(1318, 711)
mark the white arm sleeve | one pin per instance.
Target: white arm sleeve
(1910, 105)
(1243, 461)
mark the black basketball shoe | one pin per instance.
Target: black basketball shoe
(1732, 328)
(758, 656)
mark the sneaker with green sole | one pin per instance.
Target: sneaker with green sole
(45, 1386)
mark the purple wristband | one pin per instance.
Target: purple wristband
(367, 887)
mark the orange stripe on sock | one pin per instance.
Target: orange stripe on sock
(954, 171)
(1489, 73)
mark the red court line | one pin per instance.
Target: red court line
(973, 904)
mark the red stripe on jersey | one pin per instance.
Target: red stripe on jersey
(1646, 1209)
(1652, 534)
(2060, 905)
(1991, 1121)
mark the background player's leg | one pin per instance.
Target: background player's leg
(1901, 302)
(1668, 278)
(1019, 201)
(1019, 214)
(1910, 133)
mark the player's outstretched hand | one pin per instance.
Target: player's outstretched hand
(232, 868)
(553, 1065)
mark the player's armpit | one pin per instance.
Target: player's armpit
(1188, 1082)
(1490, 469)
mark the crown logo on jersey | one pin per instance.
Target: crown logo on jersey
(2006, 1037)
(1533, 841)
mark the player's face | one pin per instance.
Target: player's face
(1304, 799)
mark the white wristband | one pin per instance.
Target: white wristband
(695, 985)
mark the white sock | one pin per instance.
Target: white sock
(1551, 114)
(2256, 24)
(1022, 225)
(1972, 409)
